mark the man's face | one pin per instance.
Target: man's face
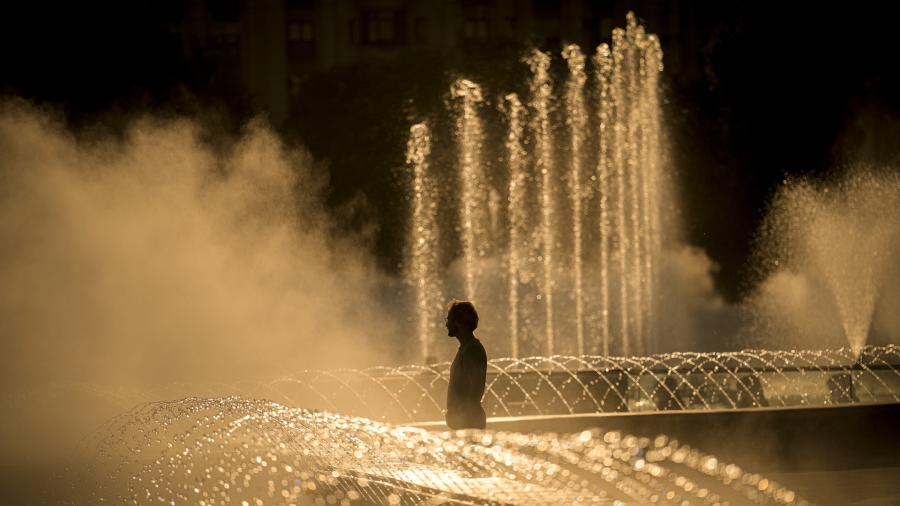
(452, 326)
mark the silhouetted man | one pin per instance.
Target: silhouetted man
(468, 371)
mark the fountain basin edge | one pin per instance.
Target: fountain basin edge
(771, 440)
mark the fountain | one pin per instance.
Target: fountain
(561, 385)
(251, 452)
(838, 233)
(572, 258)
(243, 450)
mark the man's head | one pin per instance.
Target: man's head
(461, 313)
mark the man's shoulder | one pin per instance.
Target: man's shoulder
(475, 348)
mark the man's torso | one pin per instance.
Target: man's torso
(467, 377)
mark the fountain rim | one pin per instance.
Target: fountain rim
(435, 425)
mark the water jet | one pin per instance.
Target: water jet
(575, 265)
(838, 233)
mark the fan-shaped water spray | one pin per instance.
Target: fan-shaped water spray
(838, 232)
(238, 451)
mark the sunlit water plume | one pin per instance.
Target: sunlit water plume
(424, 259)
(837, 236)
(565, 234)
(244, 452)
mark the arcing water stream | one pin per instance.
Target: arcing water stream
(572, 385)
(560, 385)
(585, 195)
(238, 451)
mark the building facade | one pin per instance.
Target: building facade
(266, 47)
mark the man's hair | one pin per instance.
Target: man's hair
(464, 313)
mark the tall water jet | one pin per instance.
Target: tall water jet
(618, 89)
(474, 217)
(837, 232)
(424, 253)
(633, 85)
(582, 194)
(653, 180)
(577, 122)
(518, 234)
(541, 94)
(603, 71)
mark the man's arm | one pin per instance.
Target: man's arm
(475, 372)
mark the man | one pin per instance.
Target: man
(468, 371)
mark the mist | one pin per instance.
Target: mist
(158, 258)
(696, 316)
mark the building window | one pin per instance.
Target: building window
(382, 26)
(296, 84)
(476, 28)
(421, 30)
(224, 46)
(301, 35)
(301, 31)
